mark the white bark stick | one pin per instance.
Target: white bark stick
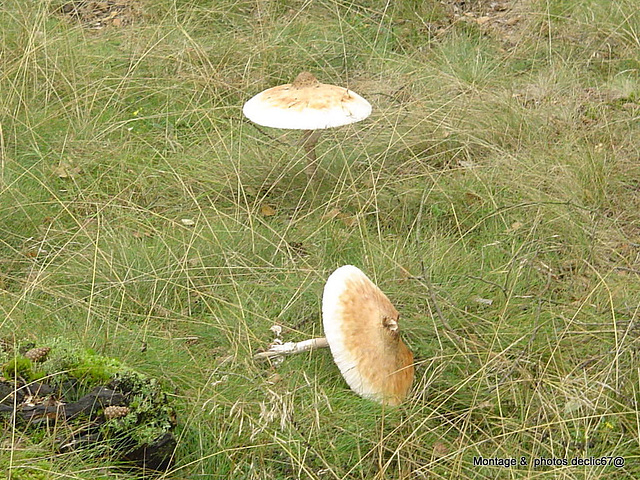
(290, 348)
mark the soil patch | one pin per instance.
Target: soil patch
(502, 17)
(105, 13)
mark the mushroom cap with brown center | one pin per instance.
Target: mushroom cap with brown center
(361, 327)
(306, 104)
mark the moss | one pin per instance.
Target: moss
(64, 360)
(152, 415)
(95, 368)
(21, 367)
(67, 359)
(26, 473)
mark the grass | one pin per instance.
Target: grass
(493, 195)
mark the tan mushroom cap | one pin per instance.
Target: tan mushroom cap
(361, 327)
(306, 104)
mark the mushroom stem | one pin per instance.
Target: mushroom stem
(290, 348)
(308, 141)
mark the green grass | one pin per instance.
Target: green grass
(493, 195)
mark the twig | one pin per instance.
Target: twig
(532, 338)
(516, 362)
(459, 341)
(269, 136)
(489, 282)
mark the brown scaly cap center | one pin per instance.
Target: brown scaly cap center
(305, 80)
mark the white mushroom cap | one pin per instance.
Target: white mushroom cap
(306, 104)
(361, 327)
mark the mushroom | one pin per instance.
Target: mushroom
(307, 105)
(361, 329)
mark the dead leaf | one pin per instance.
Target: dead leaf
(161, 311)
(348, 220)
(66, 169)
(483, 301)
(267, 210)
(440, 449)
(512, 21)
(467, 164)
(331, 214)
(472, 197)
(404, 273)
(574, 404)
(298, 248)
(335, 213)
